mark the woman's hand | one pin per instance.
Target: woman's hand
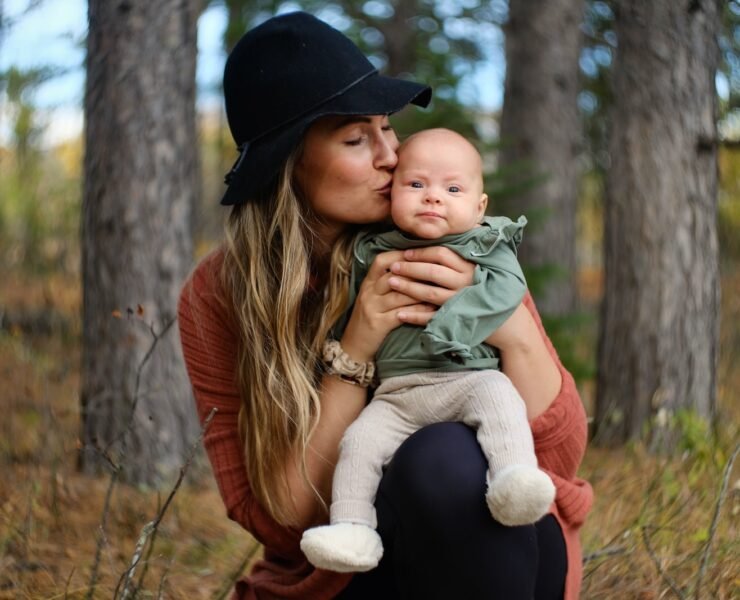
(378, 306)
(429, 276)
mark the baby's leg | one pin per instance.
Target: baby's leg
(518, 492)
(351, 543)
(366, 447)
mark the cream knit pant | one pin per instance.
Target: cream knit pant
(485, 400)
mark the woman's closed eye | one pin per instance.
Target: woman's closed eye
(356, 141)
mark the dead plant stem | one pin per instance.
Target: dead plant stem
(715, 522)
(151, 527)
(656, 561)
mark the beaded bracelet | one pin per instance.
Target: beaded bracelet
(338, 362)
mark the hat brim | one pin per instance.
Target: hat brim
(375, 95)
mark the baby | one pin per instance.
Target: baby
(444, 371)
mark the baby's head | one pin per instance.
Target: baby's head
(437, 185)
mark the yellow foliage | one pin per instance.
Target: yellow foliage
(69, 155)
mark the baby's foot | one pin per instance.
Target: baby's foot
(519, 495)
(343, 547)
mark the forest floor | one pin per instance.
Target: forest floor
(652, 533)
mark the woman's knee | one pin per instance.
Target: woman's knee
(439, 468)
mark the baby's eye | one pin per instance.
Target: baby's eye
(416, 184)
(454, 189)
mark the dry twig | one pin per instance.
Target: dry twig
(151, 527)
(237, 572)
(715, 521)
(656, 561)
(156, 337)
(608, 551)
(116, 469)
(101, 531)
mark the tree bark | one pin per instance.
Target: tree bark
(541, 139)
(141, 179)
(660, 316)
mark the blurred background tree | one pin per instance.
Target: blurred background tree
(659, 335)
(141, 179)
(540, 142)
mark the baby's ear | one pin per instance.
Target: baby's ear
(482, 206)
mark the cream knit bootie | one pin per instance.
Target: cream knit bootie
(342, 547)
(519, 495)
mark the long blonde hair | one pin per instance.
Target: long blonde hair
(283, 320)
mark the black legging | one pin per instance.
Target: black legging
(439, 537)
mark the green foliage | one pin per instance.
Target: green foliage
(574, 336)
(595, 97)
(39, 194)
(695, 434)
(728, 223)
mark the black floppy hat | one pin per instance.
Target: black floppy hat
(283, 75)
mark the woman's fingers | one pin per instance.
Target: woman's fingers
(394, 300)
(421, 292)
(418, 314)
(432, 273)
(437, 266)
(438, 255)
(382, 264)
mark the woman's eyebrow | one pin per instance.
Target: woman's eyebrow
(350, 120)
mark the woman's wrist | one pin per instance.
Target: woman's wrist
(340, 364)
(358, 347)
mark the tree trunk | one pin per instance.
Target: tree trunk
(141, 178)
(541, 137)
(660, 316)
(400, 46)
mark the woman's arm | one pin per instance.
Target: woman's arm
(374, 315)
(526, 360)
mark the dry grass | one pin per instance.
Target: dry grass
(50, 515)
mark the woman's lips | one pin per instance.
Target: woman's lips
(386, 189)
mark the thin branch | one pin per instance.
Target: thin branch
(66, 586)
(103, 523)
(151, 527)
(140, 584)
(715, 521)
(608, 551)
(235, 575)
(656, 561)
(160, 592)
(156, 337)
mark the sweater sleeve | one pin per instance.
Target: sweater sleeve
(560, 436)
(209, 346)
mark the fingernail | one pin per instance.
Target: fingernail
(396, 267)
(393, 282)
(408, 254)
(401, 315)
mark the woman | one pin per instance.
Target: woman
(309, 114)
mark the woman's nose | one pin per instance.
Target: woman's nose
(385, 154)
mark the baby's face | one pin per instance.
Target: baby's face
(437, 185)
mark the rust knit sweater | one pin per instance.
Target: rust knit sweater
(209, 345)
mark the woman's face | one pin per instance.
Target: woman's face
(345, 171)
